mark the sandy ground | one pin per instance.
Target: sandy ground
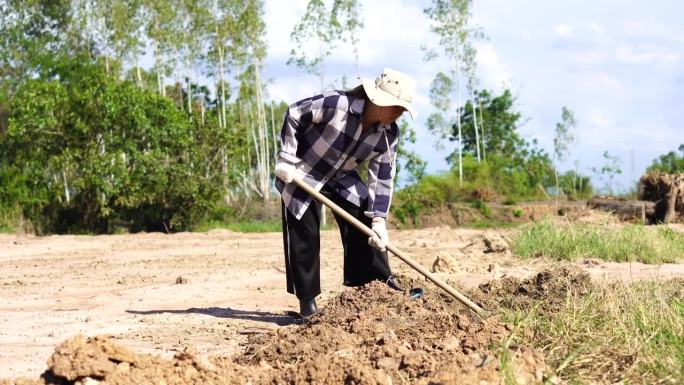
(160, 293)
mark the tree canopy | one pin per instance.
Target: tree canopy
(670, 163)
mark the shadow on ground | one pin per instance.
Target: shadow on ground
(281, 319)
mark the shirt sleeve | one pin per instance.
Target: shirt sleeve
(381, 171)
(298, 118)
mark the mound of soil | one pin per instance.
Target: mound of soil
(550, 288)
(445, 263)
(366, 335)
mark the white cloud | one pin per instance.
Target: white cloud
(627, 54)
(608, 82)
(589, 57)
(653, 29)
(492, 69)
(597, 118)
(562, 30)
(597, 28)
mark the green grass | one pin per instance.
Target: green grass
(267, 226)
(243, 226)
(648, 244)
(491, 224)
(617, 333)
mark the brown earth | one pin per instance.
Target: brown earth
(213, 304)
(369, 335)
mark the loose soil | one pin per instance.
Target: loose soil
(368, 335)
(210, 308)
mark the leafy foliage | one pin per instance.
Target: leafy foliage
(670, 163)
(90, 153)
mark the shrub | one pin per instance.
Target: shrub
(89, 153)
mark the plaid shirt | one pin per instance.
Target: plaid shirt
(323, 137)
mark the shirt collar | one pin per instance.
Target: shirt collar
(356, 106)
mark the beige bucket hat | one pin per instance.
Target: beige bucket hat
(391, 88)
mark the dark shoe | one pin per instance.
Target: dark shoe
(307, 307)
(393, 284)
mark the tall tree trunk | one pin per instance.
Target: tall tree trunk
(458, 122)
(555, 174)
(189, 91)
(67, 195)
(264, 171)
(223, 90)
(484, 151)
(273, 132)
(219, 47)
(159, 84)
(477, 133)
(137, 72)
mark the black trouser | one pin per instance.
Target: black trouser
(362, 263)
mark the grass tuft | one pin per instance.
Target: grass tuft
(618, 333)
(629, 243)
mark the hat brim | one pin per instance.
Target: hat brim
(383, 98)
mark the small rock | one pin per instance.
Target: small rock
(591, 262)
(123, 367)
(181, 281)
(444, 263)
(387, 363)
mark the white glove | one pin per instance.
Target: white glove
(381, 238)
(285, 171)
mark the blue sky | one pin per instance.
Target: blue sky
(619, 65)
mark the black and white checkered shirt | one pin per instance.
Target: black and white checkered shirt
(323, 137)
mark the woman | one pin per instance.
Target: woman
(323, 140)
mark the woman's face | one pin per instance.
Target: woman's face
(389, 114)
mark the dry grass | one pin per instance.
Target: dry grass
(619, 332)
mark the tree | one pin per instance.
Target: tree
(319, 31)
(670, 163)
(450, 22)
(412, 162)
(159, 171)
(160, 15)
(611, 167)
(563, 138)
(514, 166)
(346, 18)
(503, 121)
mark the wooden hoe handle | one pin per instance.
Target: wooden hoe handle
(366, 230)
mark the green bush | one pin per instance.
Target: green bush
(485, 210)
(88, 153)
(510, 201)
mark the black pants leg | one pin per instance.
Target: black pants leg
(301, 238)
(362, 263)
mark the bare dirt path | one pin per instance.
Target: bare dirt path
(160, 293)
